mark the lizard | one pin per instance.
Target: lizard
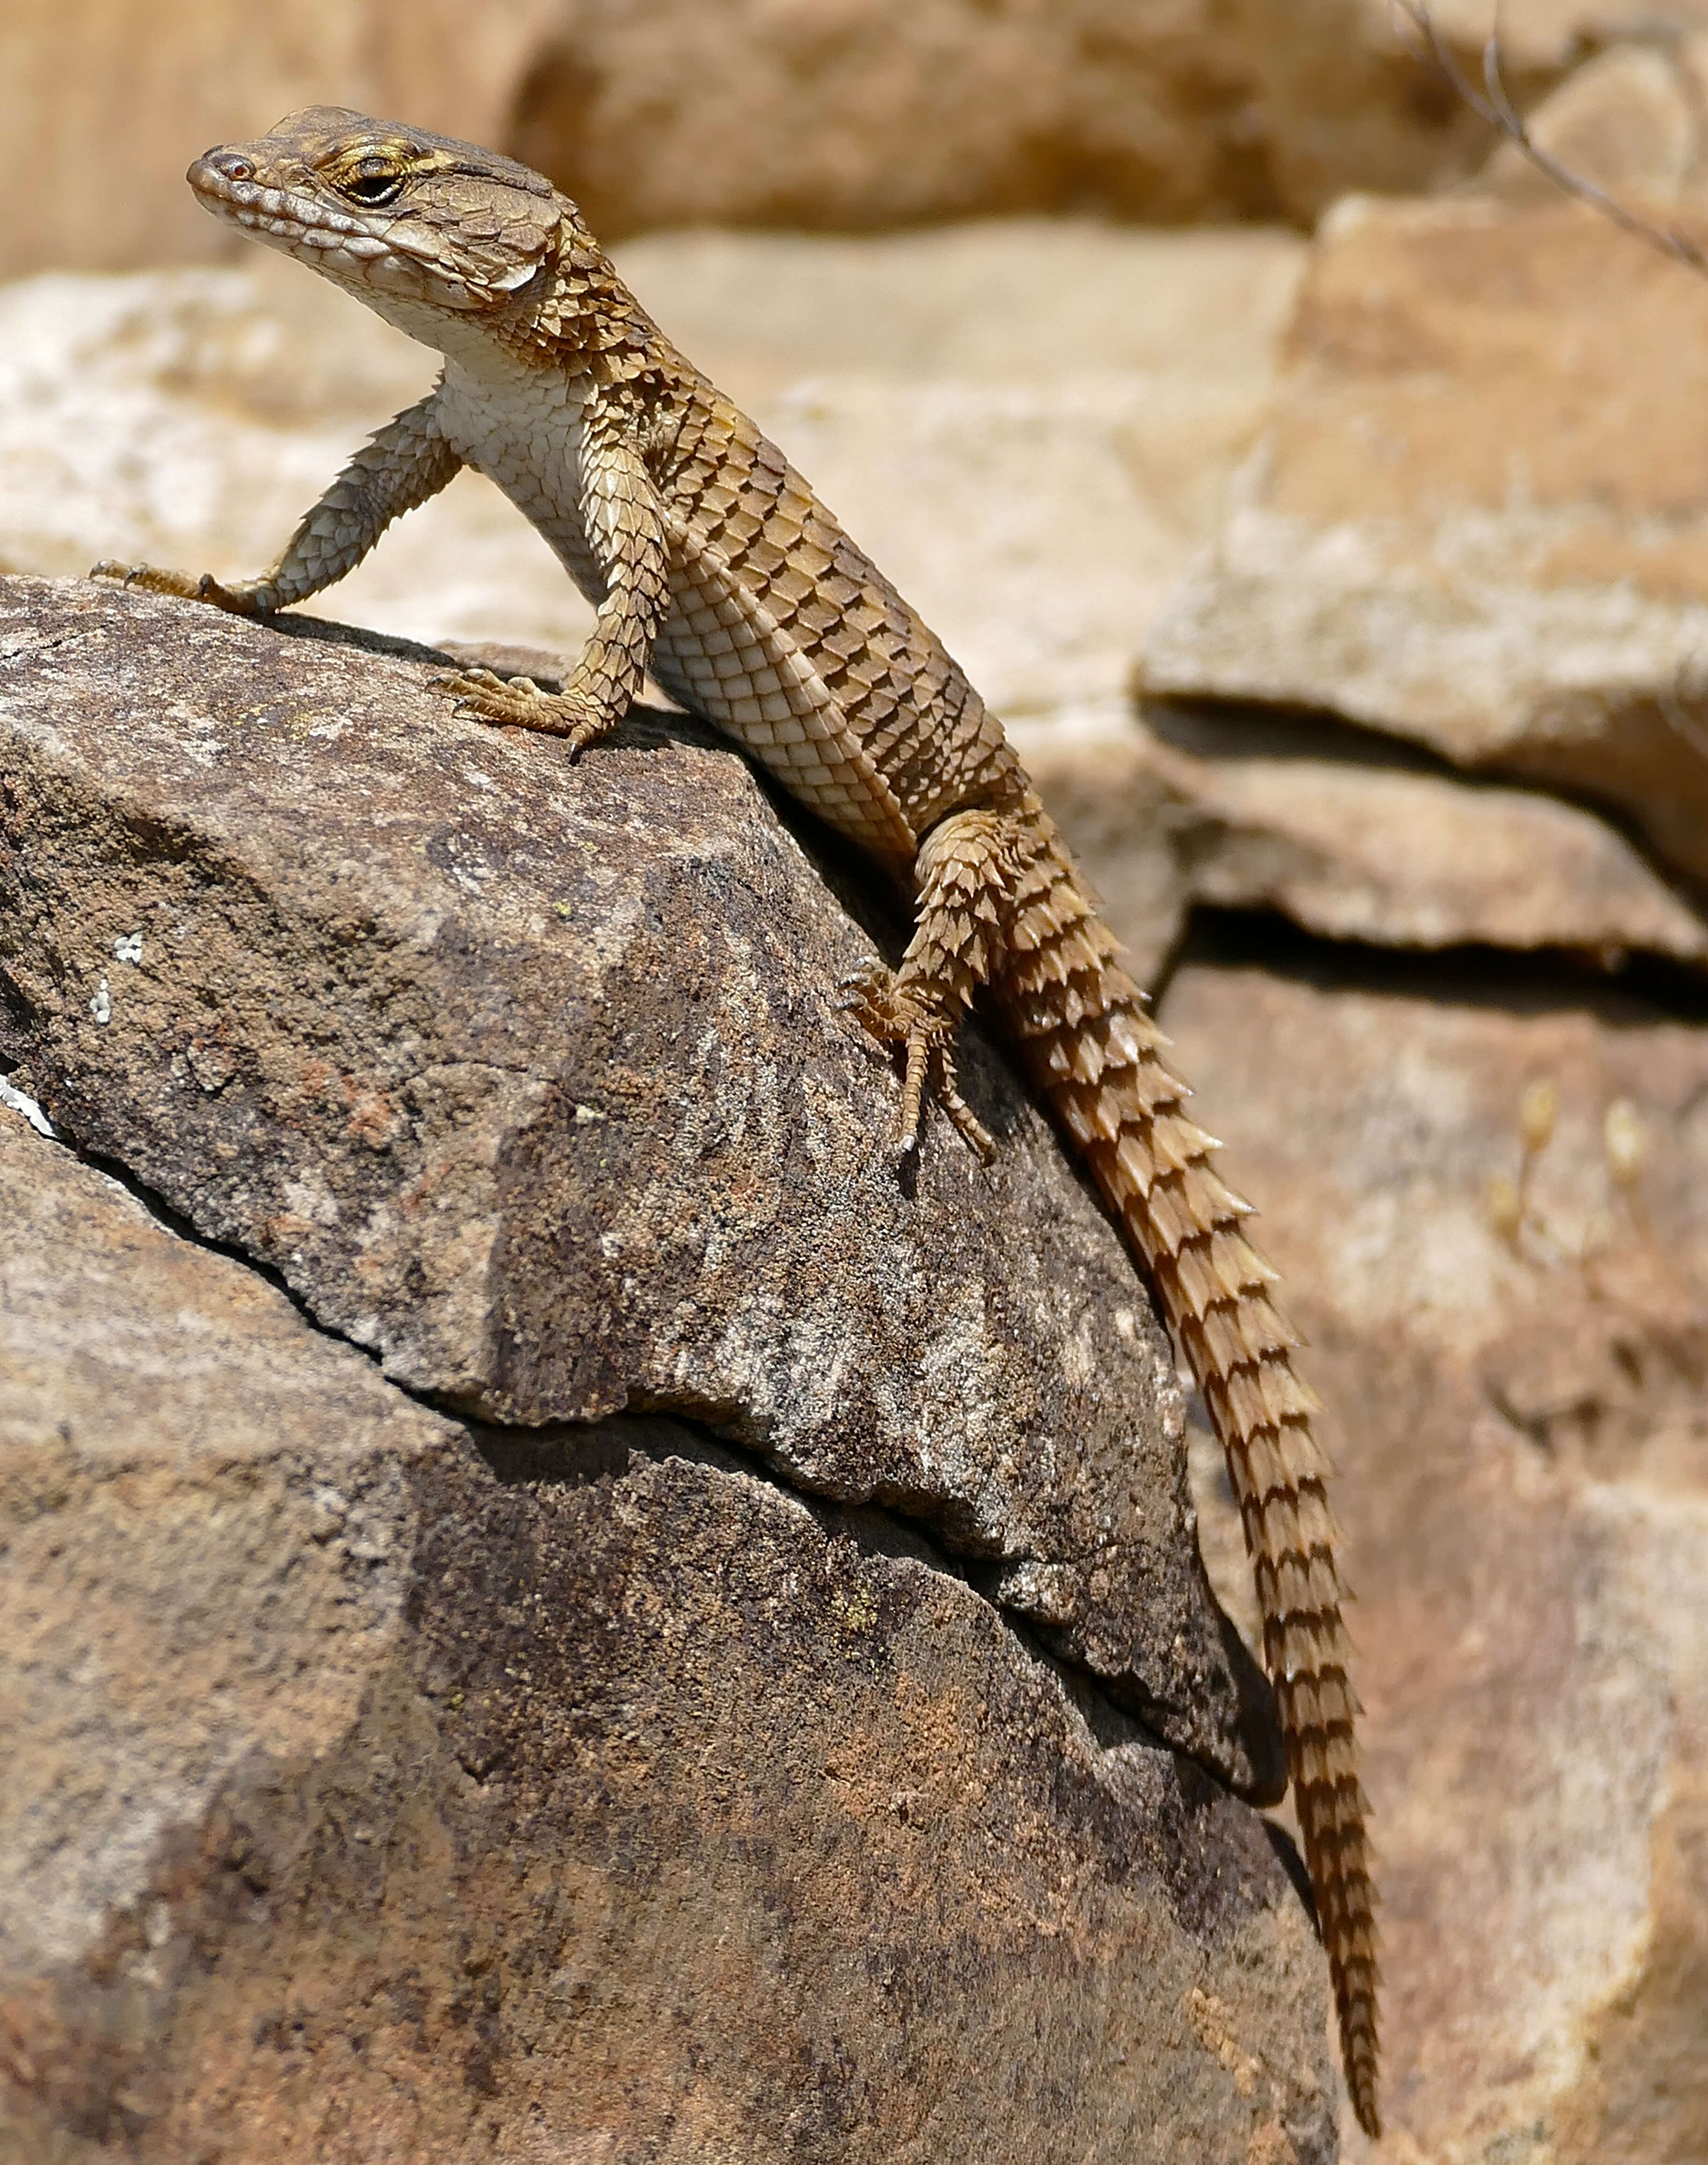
(711, 564)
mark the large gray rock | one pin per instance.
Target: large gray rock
(529, 1076)
(378, 1788)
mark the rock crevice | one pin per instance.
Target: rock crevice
(375, 1781)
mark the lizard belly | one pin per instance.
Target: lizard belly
(724, 655)
(722, 652)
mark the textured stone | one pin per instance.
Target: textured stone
(856, 113)
(380, 1788)
(1035, 510)
(1347, 837)
(529, 1076)
(1479, 518)
(1522, 1433)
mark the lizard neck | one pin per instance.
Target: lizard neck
(574, 318)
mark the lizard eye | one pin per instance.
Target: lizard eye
(373, 184)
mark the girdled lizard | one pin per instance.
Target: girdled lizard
(712, 564)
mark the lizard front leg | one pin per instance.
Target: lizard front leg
(969, 869)
(400, 467)
(624, 521)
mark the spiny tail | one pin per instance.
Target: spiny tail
(1077, 1017)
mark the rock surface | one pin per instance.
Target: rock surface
(1479, 518)
(529, 1077)
(1030, 427)
(1345, 836)
(378, 1788)
(1522, 1435)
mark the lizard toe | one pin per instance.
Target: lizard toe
(518, 702)
(256, 598)
(150, 577)
(867, 992)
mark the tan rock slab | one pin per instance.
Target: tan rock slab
(1349, 840)
(871, 113)
(195, 415)
(529, 1076)
(1521, 1432)
(379, 1788)
(844, 114)
(1479, 517)
(102, 107)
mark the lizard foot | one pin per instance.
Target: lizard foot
(870, 991)
(250, 597)
(518, 702)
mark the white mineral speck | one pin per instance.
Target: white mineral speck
(101, 1007)
(31, 1111)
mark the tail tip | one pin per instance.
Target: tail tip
(1361, 2083)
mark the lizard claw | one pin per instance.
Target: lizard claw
(967, 1124)
(518, 702)
(867, 990)
(146, 575)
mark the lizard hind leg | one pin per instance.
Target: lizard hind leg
(968, 868)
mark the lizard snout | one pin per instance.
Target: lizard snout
(219, 166)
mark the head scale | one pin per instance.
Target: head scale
(398, 214)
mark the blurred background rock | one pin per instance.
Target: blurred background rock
(1325, 502)
(840, 114)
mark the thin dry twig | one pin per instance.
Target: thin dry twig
(1497, 109)
(1493, 103)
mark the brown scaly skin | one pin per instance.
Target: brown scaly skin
(712, 563)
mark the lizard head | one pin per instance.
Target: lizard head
(394, 214)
